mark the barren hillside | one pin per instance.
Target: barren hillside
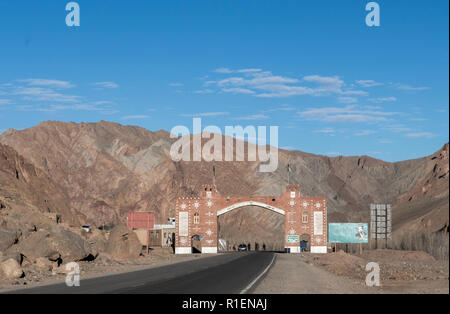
(96, 172)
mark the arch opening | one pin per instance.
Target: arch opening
(254, 227)
(196, 244)
(305, 243)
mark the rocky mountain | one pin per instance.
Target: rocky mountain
(96, 172)
(27, 190)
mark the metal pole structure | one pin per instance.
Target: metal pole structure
(376, 228)
(385, 226)
(148, 241)
(386, 234)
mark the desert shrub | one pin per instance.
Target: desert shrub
(434, 243)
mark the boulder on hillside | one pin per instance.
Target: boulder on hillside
(8, 238)
(27, 221)
(12, 254)
(37, 244)
(55, 243)
(63, 269)
(104, 259)
(11, 269)
(123, 244)
(98, 244)
(70, 246)
(44, 263)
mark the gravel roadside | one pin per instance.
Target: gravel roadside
(345, 274)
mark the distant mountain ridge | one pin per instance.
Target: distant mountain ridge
(96, 172)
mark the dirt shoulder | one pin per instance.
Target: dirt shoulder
(290, 274)
(37, 277)
(341, 273)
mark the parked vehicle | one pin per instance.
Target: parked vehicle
(242, 247)
(86, 228)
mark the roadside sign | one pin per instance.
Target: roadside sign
(348, 233)
(293, 239)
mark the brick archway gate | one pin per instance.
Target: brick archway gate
(302, 215)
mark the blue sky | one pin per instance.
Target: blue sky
(333, 85)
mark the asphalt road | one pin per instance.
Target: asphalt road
(222, 274)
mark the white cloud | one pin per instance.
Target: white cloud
(333, 82)
(397, 128)
(102, 102)
(266, 85)
(280, 108)
(34, 108)
(47, 83)
(223, 71)
(421, 135)
(347, 114)
(253, 117)
(256, 81)
(325, 131)
(5, 102)
(278, 91)
(103, 109)
(406, 87)
(205, 114)
(382, 99)
(368, 83)
(204, 91)
(370, 107)
(237, 90)
(44, 94)
(354, 92)
(85, 107)
(248, 70)
(106, 84)
(347, 100)
(135, 117)
(365, 132)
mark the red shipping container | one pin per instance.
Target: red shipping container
(141, 220)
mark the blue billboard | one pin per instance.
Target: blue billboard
(348, 233)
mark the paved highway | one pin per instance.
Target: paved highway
(221, 274)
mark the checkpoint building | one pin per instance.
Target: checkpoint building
(197, 218)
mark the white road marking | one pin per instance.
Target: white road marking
(244, 291)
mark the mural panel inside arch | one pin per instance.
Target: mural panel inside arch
(197, 218)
